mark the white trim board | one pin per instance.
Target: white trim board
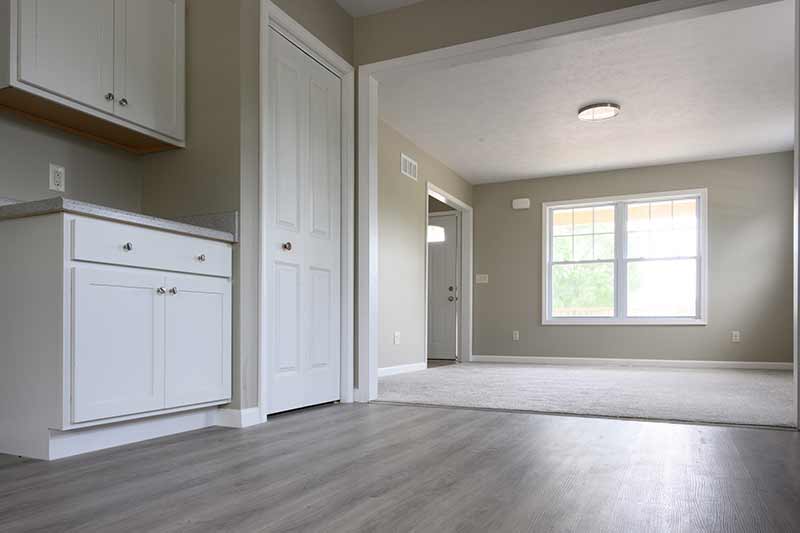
(273, 17)
(607, 361)
(239, 418)
(401, 369)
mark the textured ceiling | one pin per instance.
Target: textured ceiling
(710, 87)
(361, 8)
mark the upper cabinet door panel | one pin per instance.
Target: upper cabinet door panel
(67, 48)
(149, 67)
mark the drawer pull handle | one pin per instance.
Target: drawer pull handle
(202, 258)
(287, 246)
(127, 247)
(161, 290)
(173, 291)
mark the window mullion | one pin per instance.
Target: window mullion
(620, 252)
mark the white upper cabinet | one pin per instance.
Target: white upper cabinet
(113, 70)
(148, 73)
(68, 48)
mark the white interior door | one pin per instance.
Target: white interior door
(303, 190)
(443, 287)
(197, 339)
(68, 48)
(118, 343)
(148, 76)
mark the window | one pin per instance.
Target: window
(626, 260)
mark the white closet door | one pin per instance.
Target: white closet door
(149, 66)
(67, 47)
(303, 230)
(118, 343)
(443, 287)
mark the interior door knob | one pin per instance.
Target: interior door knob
(123, 102)
(201, 258)
(110, 97)
(173, 291)
(451, 299)
(127, 246)
(287, 246)
(161, 290)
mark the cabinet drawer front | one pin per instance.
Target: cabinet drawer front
(100, 241)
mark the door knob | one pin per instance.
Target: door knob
(451, 288)
(287, 246)
(201, 258)
(173, 291)
(161, 290)
(123, 102)
(127, 246)
(109, 97)
(451, 299)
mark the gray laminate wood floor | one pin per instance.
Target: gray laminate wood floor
(407, 468)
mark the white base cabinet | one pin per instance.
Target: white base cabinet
(97, 331)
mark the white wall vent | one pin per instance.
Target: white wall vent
(408, 167)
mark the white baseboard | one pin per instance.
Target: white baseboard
(401, 369)
(606, 361)
(238, 418)
(78, 441)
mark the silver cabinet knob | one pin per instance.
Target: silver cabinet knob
(109, 97)
(287, 246)
(173, 291)
(201, 258)
(127, 246)
(161, 290)
(123, 102)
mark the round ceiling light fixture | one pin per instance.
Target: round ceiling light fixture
(599, 111)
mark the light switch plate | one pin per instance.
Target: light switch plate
(396, 339)
(58, 178)
(736, 336)
(481, 278)
(515, 335)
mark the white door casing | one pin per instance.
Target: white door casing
(197, 339)
(148, 72)
(68, 48)
(118, 348)
(443, 289)
(303, 230)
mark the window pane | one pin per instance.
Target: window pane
(638, 244)
(662, 229)
(638, 217)
(583, 248)
(562, 222)
(562, 249)
(684, 213)
(662, 288)
(436, 234)
(660, 216)
(604, 219)
(583, 290)
(583, 220)
(604, 246)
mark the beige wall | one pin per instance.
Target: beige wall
(750, 265)
(326, 20)
(433, 24)
(402, 221)
(95, 172)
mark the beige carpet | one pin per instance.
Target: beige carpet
(752, 397)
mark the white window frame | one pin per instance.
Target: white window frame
(620, 262)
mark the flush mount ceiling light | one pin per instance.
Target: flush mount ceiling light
(598, 112)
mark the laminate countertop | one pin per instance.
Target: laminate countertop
(219, 227)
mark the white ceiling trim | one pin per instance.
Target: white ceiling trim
(362, 8)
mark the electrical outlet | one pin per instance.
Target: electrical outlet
(736, 336)
(58, 178)
(515, 335)
(397, 337)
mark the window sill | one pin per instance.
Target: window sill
(625, 322)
